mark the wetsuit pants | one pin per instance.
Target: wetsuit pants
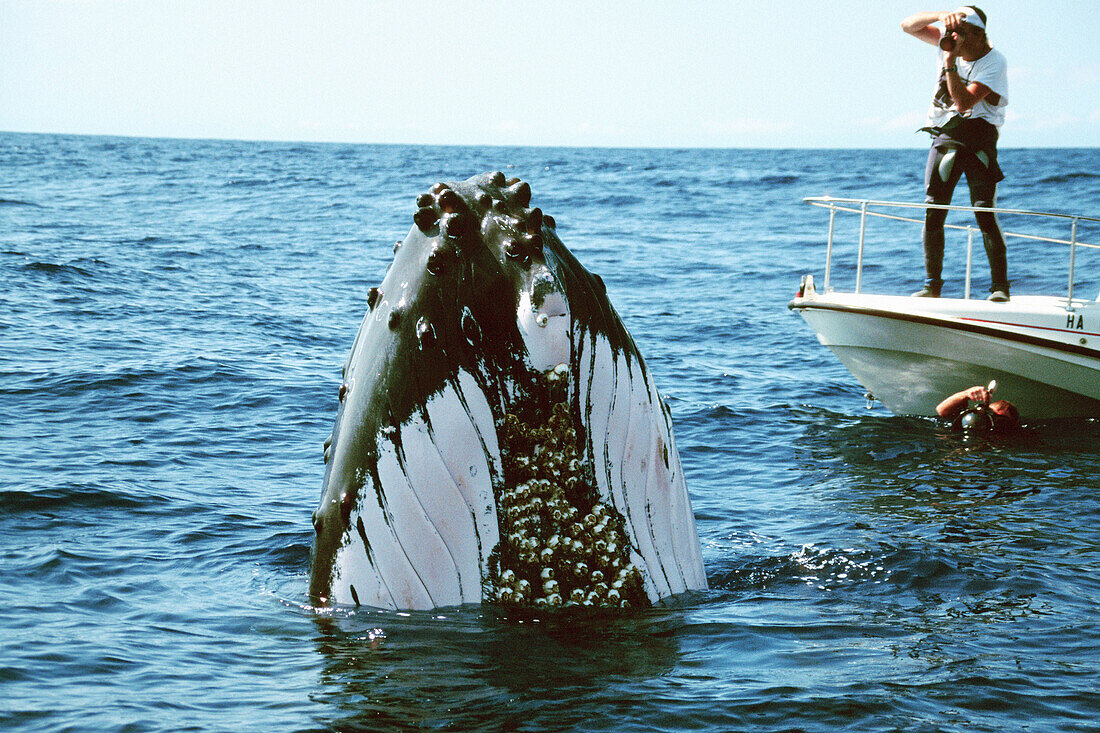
(946, 164)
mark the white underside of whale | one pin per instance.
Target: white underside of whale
(433, 524)
(630, 434)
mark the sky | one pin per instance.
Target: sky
(804, 73)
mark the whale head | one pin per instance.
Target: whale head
(499, 438)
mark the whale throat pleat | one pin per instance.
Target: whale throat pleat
(462, 434)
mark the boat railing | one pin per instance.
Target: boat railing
(867, 208)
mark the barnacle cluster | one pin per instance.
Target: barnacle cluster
(559, 545)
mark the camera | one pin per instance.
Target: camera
(951, 38)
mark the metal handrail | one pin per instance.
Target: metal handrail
(845, 204)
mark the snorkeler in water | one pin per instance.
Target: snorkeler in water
(972, 411)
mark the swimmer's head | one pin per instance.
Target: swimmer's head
(1005, 415)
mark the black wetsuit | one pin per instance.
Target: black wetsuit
(963, 146)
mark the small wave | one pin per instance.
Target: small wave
(52, 268)
(893, 569)
(287, 550)
(15, 202)
(821, 568)
(748, 177)
(616, 201)
(826, 568)
(249, 182)
(779, 179)
(59, 499)
(107, 382)
(1070, 177)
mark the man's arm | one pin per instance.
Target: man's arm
(957, 402)
(964, 95)
(919, 25)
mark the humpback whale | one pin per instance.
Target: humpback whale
(499, 438)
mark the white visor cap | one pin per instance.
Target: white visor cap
(972, 17)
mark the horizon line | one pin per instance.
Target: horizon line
(571, 146)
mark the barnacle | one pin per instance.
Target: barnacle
(559, 544)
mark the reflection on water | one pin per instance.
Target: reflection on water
(465, 668)
(968, 525)
(919, 470)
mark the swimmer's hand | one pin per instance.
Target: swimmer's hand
(978, 394)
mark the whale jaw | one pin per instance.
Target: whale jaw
(499, 438)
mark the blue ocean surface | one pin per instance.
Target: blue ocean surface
(173, 319)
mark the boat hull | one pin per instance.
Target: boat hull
(911, 353)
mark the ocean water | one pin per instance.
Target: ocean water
(174, 318)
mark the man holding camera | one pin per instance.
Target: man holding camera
(966, 113)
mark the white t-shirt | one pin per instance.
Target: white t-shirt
(990, 70)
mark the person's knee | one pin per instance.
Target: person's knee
(935, 217)
(987, 220)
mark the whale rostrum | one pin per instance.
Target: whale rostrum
(499, 438)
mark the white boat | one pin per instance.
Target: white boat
(910, 353)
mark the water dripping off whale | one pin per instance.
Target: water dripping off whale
(499, 438)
